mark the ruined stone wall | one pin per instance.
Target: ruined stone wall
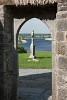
(8, 73)
(10, 16)
(59, 87)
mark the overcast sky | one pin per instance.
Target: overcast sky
(36, 25)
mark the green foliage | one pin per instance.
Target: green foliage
(21, 50)
(45, 60)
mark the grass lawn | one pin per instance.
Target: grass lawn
(45, 60)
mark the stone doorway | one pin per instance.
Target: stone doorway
(55, 16)
(14, 18)
(43, 14)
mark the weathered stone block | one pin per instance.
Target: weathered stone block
(66, 49)
(6, 47)
(61, 48)
(6, 61)
(62, 62)
(60, 36)
(1, 15)
(62, 25)
(61, 14)
(14, 88)
(5, 38)
(60, 81)
(8, 86)
(62, 93)
(8, 21)
(64, 1)
(62, 78)
(7, 28)
(65, 80)
(65, 36)
(62, 72)
(62, 6)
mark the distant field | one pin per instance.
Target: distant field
(35, 36)
(45, 60)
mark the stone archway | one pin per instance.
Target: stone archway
(8, 52)
(34, 84)
(49, 21)
(49, 18)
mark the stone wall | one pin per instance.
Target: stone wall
(27, 13)
(10, 16)
(60, 54)
(8, 73)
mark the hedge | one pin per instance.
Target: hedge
(21, 49)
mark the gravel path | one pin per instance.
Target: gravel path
(35, 84)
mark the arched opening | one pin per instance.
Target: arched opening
(42, 40)
(33, 81)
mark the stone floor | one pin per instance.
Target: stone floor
(35, 84)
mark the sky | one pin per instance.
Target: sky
(34, 24)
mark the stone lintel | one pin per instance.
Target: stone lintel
(27, 2)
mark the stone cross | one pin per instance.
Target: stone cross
(32, 47)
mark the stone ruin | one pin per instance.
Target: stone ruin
(13, 14)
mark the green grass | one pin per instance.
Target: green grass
(45, 60)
